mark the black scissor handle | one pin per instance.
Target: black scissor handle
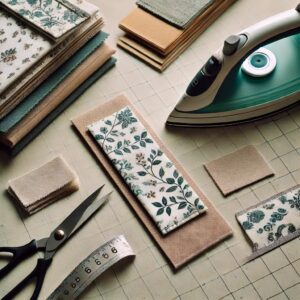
(38, 273)
(19, 254)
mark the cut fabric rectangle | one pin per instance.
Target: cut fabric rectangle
(30, 102)
(273, 222)
(53, 18)
(179, 13)
(238, 169)
(44, 185)
(21, 48)
(189, 240)
(45, 66)
(148, 172)
(61, 107)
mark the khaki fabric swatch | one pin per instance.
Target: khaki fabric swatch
(186, 242)
(159, 43)
(238, 169)
(44, 185)
(63, 90)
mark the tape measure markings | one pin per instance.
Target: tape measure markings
(91, 267)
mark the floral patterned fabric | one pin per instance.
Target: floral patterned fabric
(148, 172)
(53, 17)
(20, 49)
(273, 221)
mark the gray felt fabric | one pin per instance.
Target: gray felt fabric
(177, 12)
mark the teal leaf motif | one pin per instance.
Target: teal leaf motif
(164, 201)
(159, 153)
(144, 134)
(171, 189)
(110, 140)
(38, 14)
(127, 150)
(157, 204)
(118, 152)
(168, 210)
(175, 174)
(188, 194)
(108, 122)
(103, 130)
(142, 173)
(180, 180)
(170, 181)
(135, 147)
(31, 2)
(149, 141)
(99, 137)
(182, 205)
(119, 145)
(142, 144)
(156, 162)
(161, 172)
(137, 138)
(172, 199)
(160, 211)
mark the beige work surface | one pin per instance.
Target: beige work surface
(216, 275)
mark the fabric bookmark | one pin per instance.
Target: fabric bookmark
(272, 222)
(148, 172)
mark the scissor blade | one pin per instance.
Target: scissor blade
(76, 219)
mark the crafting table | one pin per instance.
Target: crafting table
(218, 274)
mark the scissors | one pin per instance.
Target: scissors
(49, 245)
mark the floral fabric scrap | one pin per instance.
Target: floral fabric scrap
(148, 172)
(20, 49)
(54, 17)
(272, 222)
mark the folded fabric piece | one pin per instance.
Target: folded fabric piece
(159, 43)
(52, 18)
(178, 13)
(62, 90)
(238, 169)
(146, 169)
(187, 241)
(272, 222)
(30, 102)
(44, 185)
(21, 48)
(61, 107)
(45, 66)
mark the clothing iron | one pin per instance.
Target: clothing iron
(256, 73)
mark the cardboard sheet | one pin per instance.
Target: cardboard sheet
(183, 244)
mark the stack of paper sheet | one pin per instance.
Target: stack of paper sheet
(48, 50)
(158, 31)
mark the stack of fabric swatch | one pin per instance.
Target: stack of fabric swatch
(50, 52)
(158, 31)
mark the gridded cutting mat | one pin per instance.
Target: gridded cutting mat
(216, 275)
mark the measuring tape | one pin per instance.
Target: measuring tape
(91, 267)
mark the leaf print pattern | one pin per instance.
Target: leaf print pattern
(20, 49)
(147, 171)
(51, 16)
(273, 220)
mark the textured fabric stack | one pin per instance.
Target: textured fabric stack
(50, 52)
(158, 31)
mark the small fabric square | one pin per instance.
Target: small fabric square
(44, 185)
(148, 172)
(238, 169)
(273, 222)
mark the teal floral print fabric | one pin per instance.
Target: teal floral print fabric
(53, 17)
(148, 172)
(20, 49)
(272, 222)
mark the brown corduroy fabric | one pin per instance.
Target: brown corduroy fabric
(188, 241)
